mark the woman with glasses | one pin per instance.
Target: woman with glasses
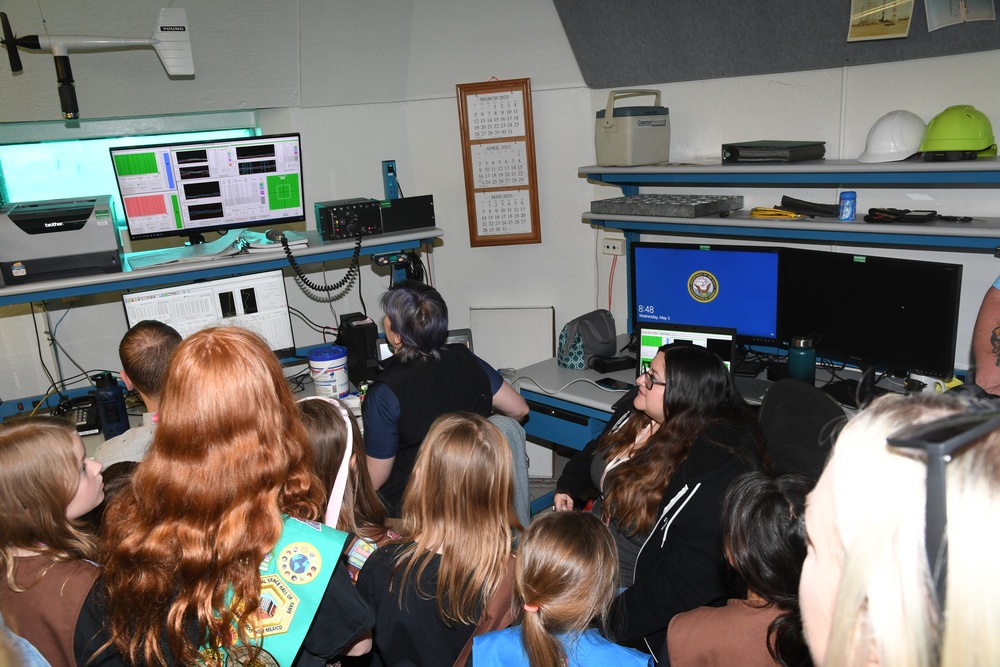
(658, 475)
(895, 574)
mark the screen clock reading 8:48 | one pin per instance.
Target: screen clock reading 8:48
(646, 310)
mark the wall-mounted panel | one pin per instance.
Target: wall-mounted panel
(643, 42)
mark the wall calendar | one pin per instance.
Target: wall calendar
(498, 154)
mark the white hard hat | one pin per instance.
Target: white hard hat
(895, 136)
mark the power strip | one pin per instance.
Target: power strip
(391, 259)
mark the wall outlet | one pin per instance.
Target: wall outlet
(613, 245)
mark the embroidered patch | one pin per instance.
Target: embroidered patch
(211, 657)
(299, 562)
(361, 550)
(241, 656)
(277, 606)
(266, 563)
(315, 525)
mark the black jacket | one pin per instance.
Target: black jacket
(681, 566)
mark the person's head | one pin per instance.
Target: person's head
(145, 351)
(229, 458)
(416, 319)
(686, 392)
(685, 380)
(460, 503)
(46, 484)
(566, 576)
(329, 422)
(866, 591)
(764, 540)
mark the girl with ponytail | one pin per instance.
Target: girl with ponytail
(566, 576)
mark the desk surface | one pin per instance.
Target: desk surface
(548, 378)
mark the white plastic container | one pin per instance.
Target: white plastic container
(630, 136)
(329, 371)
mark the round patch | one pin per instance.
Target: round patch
(703, 286)
(241, 656)
(299, 563)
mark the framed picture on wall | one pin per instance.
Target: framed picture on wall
(498, 155)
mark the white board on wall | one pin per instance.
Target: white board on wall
(515, 337)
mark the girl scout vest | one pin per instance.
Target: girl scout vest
(293, 580)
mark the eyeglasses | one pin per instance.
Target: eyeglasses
(940, 440)
(649, 381)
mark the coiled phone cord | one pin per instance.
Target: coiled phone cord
(351, 271)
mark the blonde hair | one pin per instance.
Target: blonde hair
(459, 503)
(567, 568)
(885, 602)
(39, 476)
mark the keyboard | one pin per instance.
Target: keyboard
(749, 368)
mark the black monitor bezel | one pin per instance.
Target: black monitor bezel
(819, 275)
(742, 340)
(221, 228)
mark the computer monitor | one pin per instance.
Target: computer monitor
(898, 314)
(191, 188)
(721, 286)
(652, 337)
(256, 302)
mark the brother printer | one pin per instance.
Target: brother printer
(59, 238)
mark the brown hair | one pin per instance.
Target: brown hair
(228, 459)
(39, 476)
(362, 512)
(145, 351)
(459, 502)
(567, 567)
(699, 394)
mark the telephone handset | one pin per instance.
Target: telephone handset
(82, 411)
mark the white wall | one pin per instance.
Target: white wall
(365, 82)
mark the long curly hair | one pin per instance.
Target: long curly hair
(699, 393)
(229, 458)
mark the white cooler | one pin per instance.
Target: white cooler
(630, 136)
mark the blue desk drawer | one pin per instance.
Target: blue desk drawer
(562, 427)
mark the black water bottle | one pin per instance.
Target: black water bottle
(111, 413)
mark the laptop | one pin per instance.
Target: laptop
(462, 336)
(721, 340)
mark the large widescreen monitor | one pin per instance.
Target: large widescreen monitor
(257, 302)
(886, 312)
(191, 188)
(720, 286)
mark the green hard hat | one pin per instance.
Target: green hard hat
(959, 129)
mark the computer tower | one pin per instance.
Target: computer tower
(359, 334)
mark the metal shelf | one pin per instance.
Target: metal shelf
(317, 251)
(982, 235)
